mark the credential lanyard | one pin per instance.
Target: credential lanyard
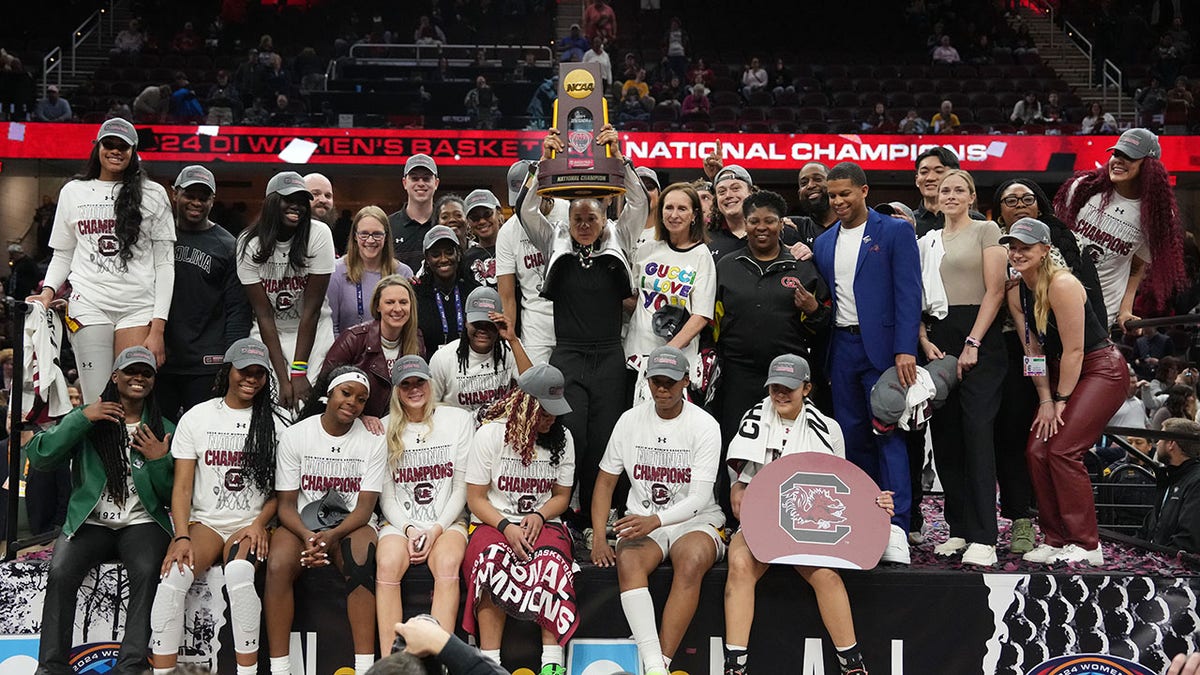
(358, 286)
(1027, 308)
(458, 311)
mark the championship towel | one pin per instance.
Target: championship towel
(541, 589)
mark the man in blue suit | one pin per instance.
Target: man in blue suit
(871, 264)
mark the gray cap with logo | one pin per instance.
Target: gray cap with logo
(118, 128)
(410, 366)
(436, 234)
(133, 355)
(789, 370)
(480, 198)
(248, 352)
(1138, 143)
(287, 183)
(667, 361)
(1028, 231)
(481, 302)
(545, 383)
(420, 162)
(196, 175)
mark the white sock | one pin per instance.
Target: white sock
(163, 671)
(247, 670)
(363, 663)
(552, 654)
(281, 665)
(493, 654)
(666, 662)
(639, 612)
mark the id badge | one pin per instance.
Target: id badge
(1035, 366)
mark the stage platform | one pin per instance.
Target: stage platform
(929, 618)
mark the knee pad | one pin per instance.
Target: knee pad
(166, 615)
(245, 607)
(358, 575)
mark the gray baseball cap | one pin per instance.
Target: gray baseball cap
(646, 173)
(545, 383)
(480, 198)
(896, 209)
(196, 175)
(420, 162)
(1138, 143)
(789, 370)
(667, 361)
(119, 128)
(248, 352)
(733, 171)
(481, 301)
(410, 366)
(1028, 231)
(516, 178)
(287, 183)
(135, 354)
(324, 513)
(436, 234)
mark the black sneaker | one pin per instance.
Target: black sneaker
(856, 669)
(733, 668)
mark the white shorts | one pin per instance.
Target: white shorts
(389, 530)
(88, 314)
(223, 532)
(709, 522)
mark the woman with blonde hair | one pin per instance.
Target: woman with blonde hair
(368, 259)
(376, 345)
(423, 502)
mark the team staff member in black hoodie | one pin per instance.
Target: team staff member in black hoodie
(1175, 521)
(209, 310)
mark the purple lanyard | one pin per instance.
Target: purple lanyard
(458, 312)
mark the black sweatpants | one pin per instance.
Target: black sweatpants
(179, 393)
(1018, 407)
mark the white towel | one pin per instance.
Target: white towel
(918, 402)
(44, 379)
(932, 251)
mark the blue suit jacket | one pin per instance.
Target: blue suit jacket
(887, 285)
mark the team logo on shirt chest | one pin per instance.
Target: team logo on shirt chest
(235, 480)
(108, 245)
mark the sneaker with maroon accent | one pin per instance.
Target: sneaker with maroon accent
(858, 669)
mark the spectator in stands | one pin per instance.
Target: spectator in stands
(131, 39)
(1165, 374)
(700, 73)
(428, 33)
(599, 20)
(258, 113)
(684, 525)
(1175, 521)
(677, 42)
(639, 86)
(1182, 95)
(877, 311)
(442, 288)
(355, 275)
(754, 78)
(945, 53)
(209, 311)
(186, 40)
(482, 104)
(424, 497)
(1149, 349)
(273, 79)
(1054, 112)
(1180, 403)
(1167, 59)
(119, 109)
(1150, 100)
(1022, 41)
(484, 219)
(121, 482)
(222, 510)
(23, 274)
(632, 109)
(1026, 111)
(784, 423)
(973, 271)
(245, 78)
(224, 101)
(945, 121)
(588, 280)
(284, 112)
(266, 50)
(573, 46)
(670, 94)
(781, 80)
(322, 193)
(117, 305)
(449, 211)
(52, 108)
(979, 53)
(284, 263)
(410, 223)
(1096, 121)
(912, 123)
(389, 333)
(1085, 383)
(696, 102)
(329, 434)
(528, 69)
(1132, 412)
(152, 104)
(1122, 234)
(185, 105)
(308, 69)
(522, 442)
(597, 54)
(880, 120)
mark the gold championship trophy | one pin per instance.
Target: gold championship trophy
(580, 111)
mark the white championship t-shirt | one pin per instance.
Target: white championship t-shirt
(1111, 238)
(479, 387)
(513, 488)
(429, 484)
(662, 456)
(107, 512)
(664, 275)
(314, 462)
(516, 255)
(86, 221)
(845, 265)
(213, 435)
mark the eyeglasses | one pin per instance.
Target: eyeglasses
(1024, 200)
(369, 236)
(115, 144)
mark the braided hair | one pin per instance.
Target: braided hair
(110, 439)
(128, 204)
(520, 412)
(499, 353)
(258, 452)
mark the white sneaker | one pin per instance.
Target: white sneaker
(918, 538)
(1042, 554)
(980, 554)
(1073, 553)
(657, 671)
(897, 548)
(950, 546)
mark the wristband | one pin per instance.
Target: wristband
(973, 342)
(539, 515)
(183, 537)
(297, 373)
(504, 522)
(1045, 401)
(1062, 398)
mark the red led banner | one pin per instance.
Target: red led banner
(469, 149)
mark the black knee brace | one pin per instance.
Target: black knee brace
(358, 575)
(233, 551)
